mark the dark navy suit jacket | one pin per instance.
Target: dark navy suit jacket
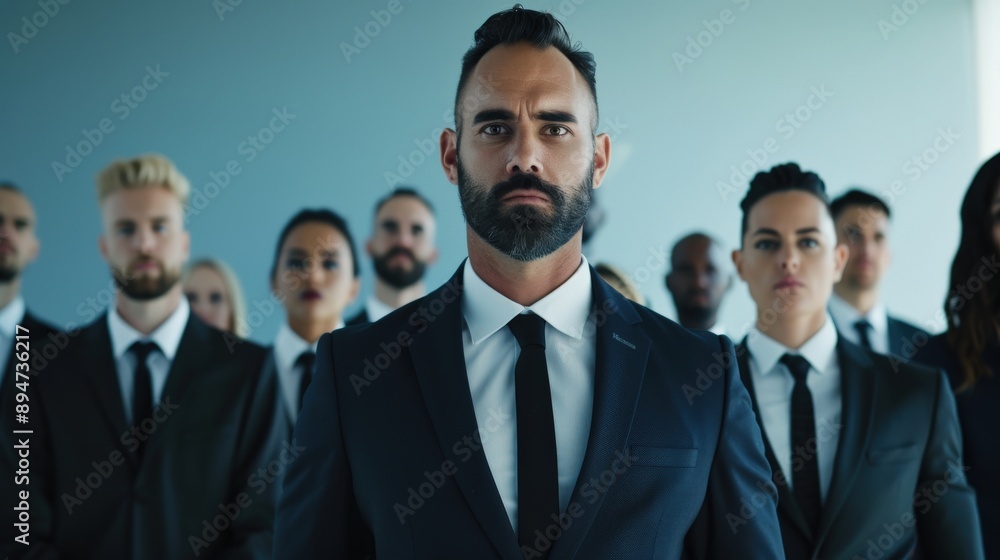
(674, 466)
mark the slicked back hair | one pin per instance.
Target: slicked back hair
(782, 178)
(519, 25)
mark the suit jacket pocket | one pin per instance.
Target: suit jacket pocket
(664, 456)
(894, 454)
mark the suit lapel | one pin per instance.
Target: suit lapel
(96, 359)
(858, 386)
(786, 501)
(438, 357)
(622, 350)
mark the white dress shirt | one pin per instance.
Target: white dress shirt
(491, 352)
(845, 315)
(376, 309)
(773, 383)
(167, 336)
(10, 316)
(288, 346)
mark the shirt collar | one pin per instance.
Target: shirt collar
(376, 309)
(820, 349)
(288, 346)
(566, 308)
(167, 336)
(845, 314)
(10, 316)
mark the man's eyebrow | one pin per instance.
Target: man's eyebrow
(556, 116)
(493, 115)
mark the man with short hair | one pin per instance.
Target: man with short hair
(867, 460)
(862, 222)
(20, 334)
(401, 248)
(526, 408)
(699, 277)
(158, 435)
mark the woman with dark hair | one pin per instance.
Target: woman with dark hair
(970, 349)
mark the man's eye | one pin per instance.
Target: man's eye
(493, 129)
(215, 297)
(126, 230)
(192, 297)
(557, 130)
(766, 245)
(330, 264)
(295, 264)
(809, 243)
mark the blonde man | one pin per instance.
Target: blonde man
(157, 434)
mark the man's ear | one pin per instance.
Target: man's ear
(449, 154)
(602, 157)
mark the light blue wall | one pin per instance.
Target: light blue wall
(676, 131)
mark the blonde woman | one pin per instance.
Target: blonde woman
(215, 295)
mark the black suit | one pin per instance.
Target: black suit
(899, 436)
(38, 333)
(979, 415)
(905, 338)
(216, 426)
(681, 452)
(360, 319)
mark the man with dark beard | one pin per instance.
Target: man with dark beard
(525, 409)
(401, 248)
(153, 424)
(700, 275)
(18, 247)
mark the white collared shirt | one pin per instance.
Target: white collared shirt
(10, 316)
(491, 352)
(773, 383)
(845, 316)
(288, 346)
(376, 309)
(167, 336)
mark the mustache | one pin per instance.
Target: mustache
(400, 251)
(528, 182)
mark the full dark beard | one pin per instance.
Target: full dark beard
(399, 278)
(524, 232)
(145, 288)
(8, 274)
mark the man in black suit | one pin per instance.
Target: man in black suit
(867, 460)
(159, 435)
(21, 334)
(862, 223)
(525, 408)
(401, 248)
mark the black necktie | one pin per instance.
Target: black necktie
(863, 327)
(305, 363)
(142, 386)
(537, 472)
(805, 471)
